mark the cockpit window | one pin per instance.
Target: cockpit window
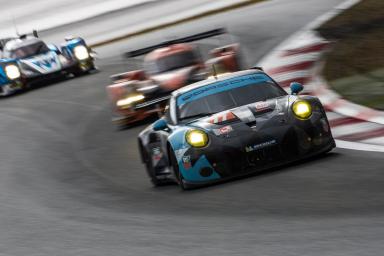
(27, 51)
(227, 94)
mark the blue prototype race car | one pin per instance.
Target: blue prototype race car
(232, 125)
(28, 59)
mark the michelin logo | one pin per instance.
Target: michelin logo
(259, 146)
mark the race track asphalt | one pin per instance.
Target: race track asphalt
(71, 184)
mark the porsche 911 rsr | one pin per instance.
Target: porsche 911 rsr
(27, 59)
(230, 126)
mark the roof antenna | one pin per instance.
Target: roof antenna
(214, 71)
(15, 25)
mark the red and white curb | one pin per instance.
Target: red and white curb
(299, 59)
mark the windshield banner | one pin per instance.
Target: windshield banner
(221, 86)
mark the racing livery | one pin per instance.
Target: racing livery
(28, 59)
(168, 66)
(230, 126)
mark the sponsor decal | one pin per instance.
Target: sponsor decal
(221, 86)
(262, 105)
(223, 130)
(187, 162)
(259, 146)
(44, 63)
(156, 154)
(222, 117)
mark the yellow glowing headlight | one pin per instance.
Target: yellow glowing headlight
(12, 72)
(81, 52)
(129, 100)
(302, 109)
(197, 138)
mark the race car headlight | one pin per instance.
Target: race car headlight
(197, 138)
(81, 52)
(302, 109)
(129, 100)
(12, 72)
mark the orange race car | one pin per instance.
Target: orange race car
(168, 66)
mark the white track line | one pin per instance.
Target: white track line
(359, 146)
(349, 129)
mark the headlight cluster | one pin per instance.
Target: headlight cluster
(129, 100)
(302, 109)
(197, 138)
(81, 52)
(12, 71)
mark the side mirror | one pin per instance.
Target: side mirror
(54, 48)
(160, 125)
(296, 88)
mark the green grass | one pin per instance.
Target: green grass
(355, 65)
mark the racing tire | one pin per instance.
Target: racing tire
(78, 71)
(175, 167)
(151, 172)
(150, 169)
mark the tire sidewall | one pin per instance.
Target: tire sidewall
(175, 167)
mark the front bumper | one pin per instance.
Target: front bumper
(258, 150)
(11, 88)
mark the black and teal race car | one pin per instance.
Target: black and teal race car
(232, 125)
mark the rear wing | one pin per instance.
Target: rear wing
(196, 37)
(152, 102)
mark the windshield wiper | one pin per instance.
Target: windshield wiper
(202, 114)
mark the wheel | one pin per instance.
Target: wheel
(83, 69)
(175, 168)
(146, 158)
(149, 167)
(151, 173)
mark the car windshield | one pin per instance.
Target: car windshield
(28, 50)
(227, 94)
(171, 62)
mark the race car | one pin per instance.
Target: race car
(28, 59)
(168, 66)
(232, 125)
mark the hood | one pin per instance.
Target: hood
(40, 64)
(245, 118)
(175, 79)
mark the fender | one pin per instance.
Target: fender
(67, 48)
